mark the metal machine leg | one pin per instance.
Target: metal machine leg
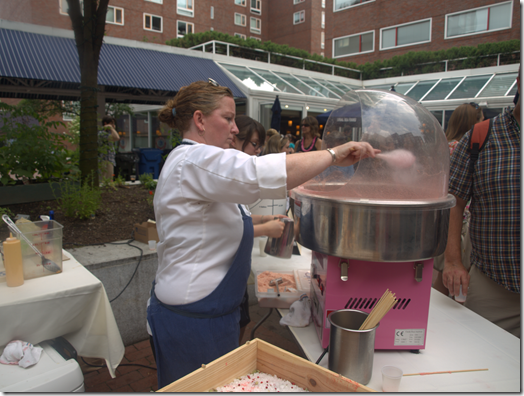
(260, 322)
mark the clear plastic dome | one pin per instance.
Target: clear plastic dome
(415, 160)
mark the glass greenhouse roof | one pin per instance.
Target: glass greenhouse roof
(482, 86)
(273, 81)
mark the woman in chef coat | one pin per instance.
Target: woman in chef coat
(206, 238)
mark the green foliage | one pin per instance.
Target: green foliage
(29, 149)
(414, 62)
(6, 211)
(79, 202)
(147, 181)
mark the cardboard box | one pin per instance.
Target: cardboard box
(269, 359)
(146, 232)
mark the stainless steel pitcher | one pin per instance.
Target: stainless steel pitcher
(282, 247)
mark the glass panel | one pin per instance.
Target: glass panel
(343, 87)
(157, 23)
(470, 87)
(499, 16)
(388, 38)
(161, 134)
(320, 88)
(367, 42)
(275, 81)
(381, 86)
(118, 18)
(249, 79)
(513, 91)
(298, 84)
(415, 33)
(468, 22)
(447, 115)
(333, 87)
(438, 115)
(110, 16)
(341, 4)
(140, 130)
(420, 89)
(443, 89)
(341, 46)
(499, 85)
(402, 88)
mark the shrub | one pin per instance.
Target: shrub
(80, 202)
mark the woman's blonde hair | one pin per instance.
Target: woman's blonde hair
(200, 95)
(275, 144)
(462, 120)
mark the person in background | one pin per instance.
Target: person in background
(277, 144)
(291, 142)
(250, 134)
(206, 238)
(310, 140)
(106, 148)
(492, 285)
(269, 133)
(463, 118)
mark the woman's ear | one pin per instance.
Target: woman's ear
(198, 119)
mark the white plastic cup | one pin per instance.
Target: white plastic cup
(461, 298)
(391, 377)
(261, 245)
(152, 244)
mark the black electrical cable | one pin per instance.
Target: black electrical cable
(120, 243)
(125, 364)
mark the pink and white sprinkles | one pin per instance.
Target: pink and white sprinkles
(260, 382)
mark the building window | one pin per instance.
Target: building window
(256, 38)
(64, 7)
(298, 1)
(156, 1)
(323, 20)
(256, 6)
(404, 35)
(184, 28)
(115, 15)
(322, 40)
(343, 4)
(479, 20)
(185, 7)
(242, 36)
(153, 22)
(255, 25)
(240, 19)
(323, 3)
(212, 12)
(240, 2)
(299, 17)
(354, 45)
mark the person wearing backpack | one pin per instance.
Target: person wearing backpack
(492, 181)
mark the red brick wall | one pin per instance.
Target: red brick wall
(383, 13)
(277, 21)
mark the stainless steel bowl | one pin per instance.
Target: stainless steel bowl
(372, 230)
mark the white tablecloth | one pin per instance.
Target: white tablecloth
(457, 339)
(72, 304)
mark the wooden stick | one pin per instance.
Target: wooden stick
(385, 303)
(446, 372)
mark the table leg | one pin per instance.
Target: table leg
(260, 322)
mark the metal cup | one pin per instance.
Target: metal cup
(351, 350)
(282, 247)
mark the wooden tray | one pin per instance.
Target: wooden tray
(267, 358)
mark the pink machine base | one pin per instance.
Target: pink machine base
(403, 327)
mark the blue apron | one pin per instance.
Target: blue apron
(187, 336)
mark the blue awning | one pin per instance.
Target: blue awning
(49, 58)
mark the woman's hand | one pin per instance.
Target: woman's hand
(274, 228)
(352, 152)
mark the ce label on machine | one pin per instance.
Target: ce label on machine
(409, 337)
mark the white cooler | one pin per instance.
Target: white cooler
(52, 373)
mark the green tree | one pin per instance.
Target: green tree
(89, 28)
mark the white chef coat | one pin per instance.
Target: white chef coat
(198, 220)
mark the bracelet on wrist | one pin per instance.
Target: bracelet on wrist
(333, 155)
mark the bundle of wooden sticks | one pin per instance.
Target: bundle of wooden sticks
(381, 308)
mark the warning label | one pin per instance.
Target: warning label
(409, 337)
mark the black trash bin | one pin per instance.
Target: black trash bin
(127, 164)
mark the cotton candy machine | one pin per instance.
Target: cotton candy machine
(377, 226)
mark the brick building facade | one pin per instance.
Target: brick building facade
(359, 31)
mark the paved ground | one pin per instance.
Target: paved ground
(133, 378)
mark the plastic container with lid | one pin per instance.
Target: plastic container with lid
(270, 298)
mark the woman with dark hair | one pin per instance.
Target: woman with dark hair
(205, 236)
(310, 140)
